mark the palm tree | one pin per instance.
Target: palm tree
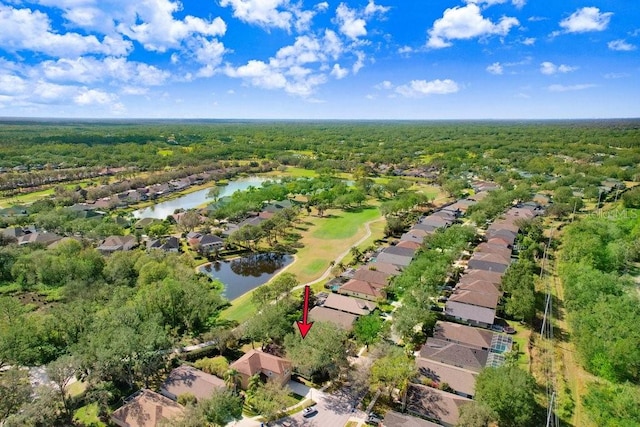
(254, 383)
(231, 379)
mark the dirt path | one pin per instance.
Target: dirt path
(577, 378)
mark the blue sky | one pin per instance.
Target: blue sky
(287, 59)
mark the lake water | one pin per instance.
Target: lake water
(241, 275)
(163, 209)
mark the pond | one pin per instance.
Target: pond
(163, 209)
(243, 274)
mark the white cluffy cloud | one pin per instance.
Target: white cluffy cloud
(464, 23)
(338, 72)
(495, 68)
(112, 70)
(353, 23)
(24, 29)
(586, 19)
(549, 68)
(621, 45)
(297, 69)
(266, 13)
(152, 24)
(420, 88)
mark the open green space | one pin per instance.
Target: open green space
(321, 247)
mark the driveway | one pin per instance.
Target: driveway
(334, 410)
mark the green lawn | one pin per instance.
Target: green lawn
(88, 416)
(341, 225)
(25, 199)
(241, 309)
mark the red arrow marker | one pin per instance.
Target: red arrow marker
(304, 326)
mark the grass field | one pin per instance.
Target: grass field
(324, 239)
(22, 199)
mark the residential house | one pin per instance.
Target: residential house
(143, 223)
(268, 366)
(187, 379)
(362, 289)
(341, 319)
(205, 243)
(480, 299)
(384, 267)
(43, 238)
(489, 248)
(375, 277)
(146, 409)
(498, 241)
(169, 244)
(444, 214)
(397, 419)
(397, 256)
(460, 207)
(278, 206)
(478, 196)
(481, 286)
(464, 335)
(462, 381)
(350, 305)
(439, 221)
(489, 276)
(409, 245)
(479, 185)
(471, 313)
(427, 228)
(13, 232)
(117, 243)
(489, 262)
(414, 235)
(507, 235)
(433, 404)
(453, 354)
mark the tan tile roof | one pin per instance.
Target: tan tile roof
(463, 334)
(146, 409)
(435, 404)
(409, 244)
(361, 287)
(340, 318)
(493, 249)
(347, 304)
(461, 380)
(186, 379)
(255, 361)
(490, 257)
(475, 298)
(482, 286)
(385, 267)
(490, 276)
(375, 277)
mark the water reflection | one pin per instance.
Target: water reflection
(243, 274)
